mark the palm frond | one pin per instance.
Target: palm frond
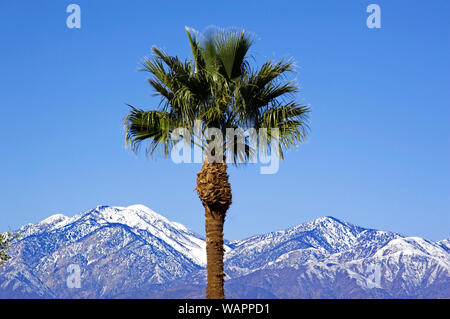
(225, 51)
(290, 120)
(195, 49)
(152, 126)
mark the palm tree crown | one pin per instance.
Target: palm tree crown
(219, 88)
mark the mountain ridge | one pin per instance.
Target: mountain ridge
(134, 252)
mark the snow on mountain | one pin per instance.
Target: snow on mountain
(445, 244)
(305, 242)
(133, 252)
(117, 247)
(374, 263)
(138, 218)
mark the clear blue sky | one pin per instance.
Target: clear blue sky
(378, 154)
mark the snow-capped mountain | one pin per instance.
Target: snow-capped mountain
(133, 252)
(328, 258)
(116, 247)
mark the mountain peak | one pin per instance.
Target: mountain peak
(53, 219)
(132, 209)
(328, 219)
(330, 223)
(326, 223)
(136, 216)
(140, 207)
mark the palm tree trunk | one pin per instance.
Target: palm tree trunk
(214, 254)
(214, 191)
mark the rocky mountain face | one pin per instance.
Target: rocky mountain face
(133, 252)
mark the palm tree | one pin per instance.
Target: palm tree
(219, 89)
